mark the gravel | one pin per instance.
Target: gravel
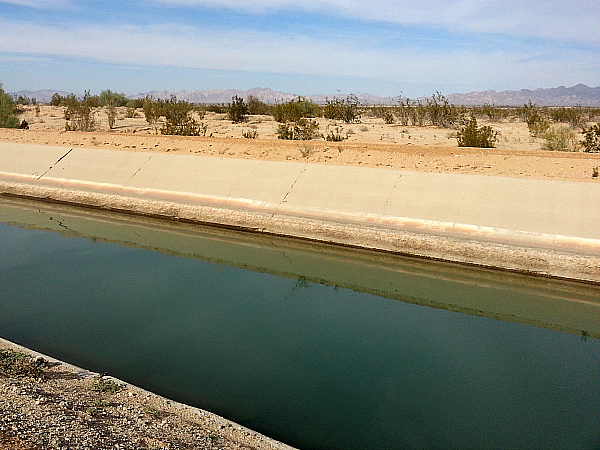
(65, 407)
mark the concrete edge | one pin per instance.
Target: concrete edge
(460, 230)
(560, 257)
(84, 373)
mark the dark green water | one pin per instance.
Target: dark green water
(317, 366)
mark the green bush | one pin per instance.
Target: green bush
(18, 364)
(574, 116)
(492, 112)
(411, 113)
(537, 123)
(346, 110)
(152, 109)
(294, 110)
(302, 130)
(440, 112)
(79, 114)
(107, 98)
(178, 119)
(111, 113)
(559, 140)
(8, 118)
(57, 99)
(591, 139)
(130, 112)
(384, 112)
(216, 108)
(135, 103)
(257, 107)
(470, 135)
(238, 110)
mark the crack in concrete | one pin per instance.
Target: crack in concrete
(391, 193)
(289, 191)
(57, 161)
(242, 179)
(136, 172)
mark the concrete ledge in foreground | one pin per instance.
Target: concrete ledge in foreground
(549, 228)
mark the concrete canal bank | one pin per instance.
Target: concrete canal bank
(549, 228)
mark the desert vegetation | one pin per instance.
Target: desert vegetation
(471, 135)
(553, 129)
(8, 111)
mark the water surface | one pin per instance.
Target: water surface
(323, 365)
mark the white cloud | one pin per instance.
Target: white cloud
(40, 4)
(266, 52)
(575, 20)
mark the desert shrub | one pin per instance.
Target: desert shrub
(238, 110)
(152, 109)
(592, 114)
(559, 140)
(111, 113)
(179, 120)
(591, 139)
(186, 126)
(105, 385)
(384, 112)
(470, 135)
(57, 99)
(335, 135)
(24, 101)
(216, 108)
(440, 112)
(135, 103)
(256, 106)
(108, 97)
(538, 123)
(8, 118)
(130, 113)
(525, 112)
(491, 112)
(79, 114)
(302, 130)
(250, 134)
(411, 113)
(294, 110)
(346, 110)
(575, 116)
(18, 364)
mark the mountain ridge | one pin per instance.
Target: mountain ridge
(579, 94)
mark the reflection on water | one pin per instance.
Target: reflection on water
(291, 340)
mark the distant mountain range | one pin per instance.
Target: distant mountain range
(560, 96)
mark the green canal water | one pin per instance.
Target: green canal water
(317, 346)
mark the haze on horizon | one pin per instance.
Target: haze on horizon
(382, 47)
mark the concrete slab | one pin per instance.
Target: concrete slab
(30, 160)
(368, 207)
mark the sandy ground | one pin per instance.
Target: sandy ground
(370, 143)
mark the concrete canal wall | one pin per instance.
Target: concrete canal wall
(535, 226)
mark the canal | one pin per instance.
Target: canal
(317, 346)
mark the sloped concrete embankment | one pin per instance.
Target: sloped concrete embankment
(549, 228)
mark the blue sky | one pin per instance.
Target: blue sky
(305, 47)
